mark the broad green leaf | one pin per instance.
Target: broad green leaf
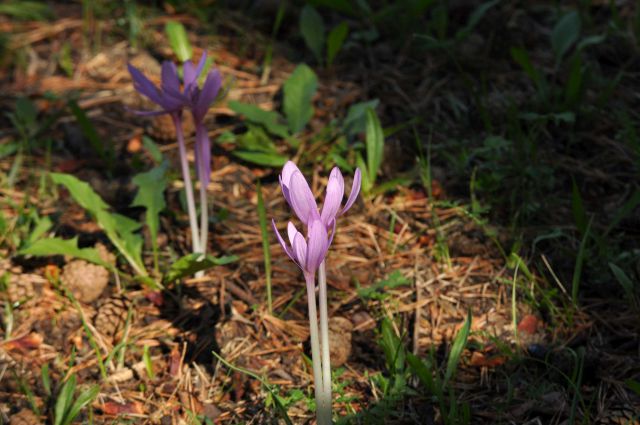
(89, 131)
(456, 350)
(118, 228)
(377, 290)
(312, 29)
(178, 40)
(299, 90)
(26, 10)
(152, 148)
(192, 263)
(633, 385)
(151, 187)
(81, 192)
(374, 144)
(42, 225)
(565, 34)
(623, 280)
(270, 120)
(367, 185)
(266, 159)
(421, 370)
(335, 40)
(392, 346)
(356, 120)
(7, 149)
(59, 246)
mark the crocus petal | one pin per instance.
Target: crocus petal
(292, 232)
(207, 95)
(317, 248)
(282, 242)
(143, 85)
(355, 189)
(333, 197)
(333, 232)
(285, 177)
(147, 113)
(170, 80)
(203, 154)
(302, 200)
(300, 250)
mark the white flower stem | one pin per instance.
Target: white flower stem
(321, 407)
(188, 187)
(324, 337)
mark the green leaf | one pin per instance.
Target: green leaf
(262, 158)
(374, 144)
(64, 400)
(335, 40)
(421, 370)
(367, 185)
(377, 290)
(58, 246)
(299, 90)
(152, 148)
(356, 120)
(85, 398)
(312, 29)
(521, 57)
(118, 228)
(178, 40)
(192, 263)
(623, 280)
(392, 346)
(633, 385)
(151, 187)
(565, 34)
(89, 131)
(270, 120)
(266, 249)
(26, 10)
(475, 18)
(456, 350)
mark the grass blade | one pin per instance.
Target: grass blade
(262, 217)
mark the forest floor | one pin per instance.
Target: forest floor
(501, 209)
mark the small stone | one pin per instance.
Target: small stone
(340, 330)
(86, 281)
(210, 411)
(105, 254)
(23, 287)
(25, 417)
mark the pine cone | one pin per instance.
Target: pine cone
(85, 280)
(340, 330)
(23, 287)
(112, 317)
(25, 417)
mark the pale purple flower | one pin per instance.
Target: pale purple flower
(173, 100)
(308, 252)
(298, 194)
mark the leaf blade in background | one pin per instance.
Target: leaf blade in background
(312, 30)
(58, 246)
(178, 40)
(192, 263)
(150, 195)
(299, 90)
(335, 41)
(456, 350)
(375, 145)
(565, 33)
(118, 228)
(356, 119)
(266, 159)
(270, 120)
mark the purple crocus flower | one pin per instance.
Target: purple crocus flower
(309, 254)
(172, 100)
(298, 195)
